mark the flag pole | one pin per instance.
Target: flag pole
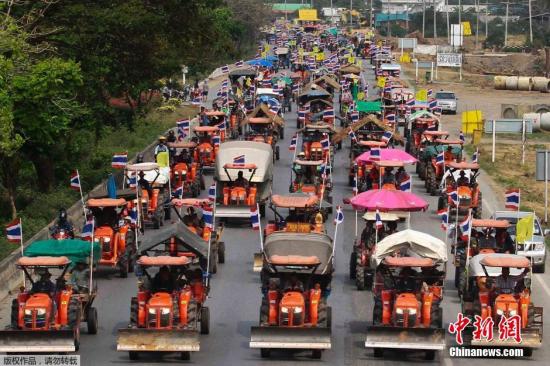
(209, 250)
(468, 246)
(91, 257)
(21, 242)
(260, 227)
(81, 196)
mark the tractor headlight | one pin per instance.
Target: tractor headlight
(298, 309)
(28, 312)
(412, 311)
(41, 311)
(399, 311)
(500, 312)
(107, 240)
(96, 240)
(284, 309)
(512, 312)
(152, 311)
(165, 311)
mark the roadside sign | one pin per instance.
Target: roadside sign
(449, 59)
(457, 35)
(540, 166)
(407, 43)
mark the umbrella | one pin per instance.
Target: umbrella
(388, 200)
(388, 155)
(263, 63)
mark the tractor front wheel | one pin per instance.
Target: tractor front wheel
(205, 320)
(91, 320)
(14, 314)
(185, 356)
(277, 153)
(134, 309)
(221, 252)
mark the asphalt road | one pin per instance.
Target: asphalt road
(235, 296)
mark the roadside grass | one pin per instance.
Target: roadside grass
(94, 167)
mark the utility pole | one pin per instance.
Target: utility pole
(435, 21)
(477, 21)
(448, 26)
(423, 18)
(530, 24)
(331, 13)
(486, 19)
(350, 13)
(459, 12)
(371, 15)
(506, 25)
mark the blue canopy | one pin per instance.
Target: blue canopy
(271, 58)
(272, 102)
(262, 62)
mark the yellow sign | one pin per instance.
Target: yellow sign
(381, 82)
(307, 15)
(320, 56)
(422, 95)
(406, 58)
(471, 121)
(467, 28)
(267, 47)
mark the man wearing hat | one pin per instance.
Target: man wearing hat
(44, 284)
(161, 152)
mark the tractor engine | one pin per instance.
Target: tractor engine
(36, 312)
(406, 310)
(105, 236)
(464, 196)
(160, 311)
(505, 305)
(292, 309)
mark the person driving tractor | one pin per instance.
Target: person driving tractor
(388, 177)
(241, 181)
(63, 224)
(462, 179)
(161, 146)
(406, 282)
(506, 283)
(448, 156)
(144, 183)
(44, 284)
(80, 277)
(163, 280)
(504, 241)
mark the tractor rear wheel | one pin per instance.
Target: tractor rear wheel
(378, 352)
(221, 252)
(264, 313)
(73, 313)
(360, 277)
(350, 180)
(133, 355)
(202, 183)
(316, 354)
(281, 134)
(352, 264)
(156, 223)
(421, 170)
(265, 352)
(429, 356)
(205, 320)
(124, 264)
(14, 314)
(377, 312)
(192, 314)
(134, 309)
(91, 320)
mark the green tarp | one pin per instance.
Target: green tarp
(369, 107)
(75, 250)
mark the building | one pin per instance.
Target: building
(409, 6)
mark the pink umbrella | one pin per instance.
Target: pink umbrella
(388, 155)
(388, 200)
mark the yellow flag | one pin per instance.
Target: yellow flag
(381, 82)
(264, 54)
(163, 159)
(422, 95)
(467, 28)
(524, 229)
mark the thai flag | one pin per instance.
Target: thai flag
(239, 160)
(444, 215)
(225, 69)
(255, 217)
(328, 113)
(274, 109)
(216, 141)
(390, 117)
(183, 128)
(475, 156)
(339, 217)
(440, 158)
(432, 104)
(75, 181)
(212, 192)
(222, 125)
(405, 185)
(134, 216)
(132, 180)
(354, 187)
(411, 102)
(119, 160)
(295, 88)
(196, 101)
(378, 221)
(461, 137)
(437, 110)
(239, 63)
(225, 84)
(387, 89)
(352, 135)
(454, 197)
(354, 116)
(375, 153)
(513, 197)
(307, 108)
(208, 217)
(325, 143)
(430, 93)
(293, 143)
(88, 228)
(14, 231)
(466, 228)
(386, 137)
(178, 192)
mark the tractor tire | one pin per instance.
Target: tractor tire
(167, 213)
(91, 320)
(264, 310)
(133, 355)
(175, 310)
(360, 278)
(205, 320)
(441, 203)
(329, 317)
(214, 263)
(134, 308)
(185, 356)
(221, 252)
(14, 314)
(194, 193)
(202, 183)
(457, 277)
(421, 170)
(408, 147)
(377, 312)
(265, 352)
(192, 315)
(277, 153)
(316, 354)
(378, 352)
(281, 134)
(156, 223)
(461, 282)
(436, 316)
(352, 264)
(478, 210)
(429, 355)
(339, 146)
(124, 265)
(73, 320)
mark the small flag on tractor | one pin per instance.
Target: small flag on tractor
(440, 158)
(430, 93)
(119, 160)
(208, 216)
(354, 116)
(466, 228)
(390, 117)
(88, 228)
(461, 137)
(133, 216)
(411, 102)
(293, 143)
(432, 104)
(255, 217)
(75, 181)
(339, 217)
(405, 185)
(178, 192)
(378, 221)
(354, 187)
(454, 197)
(302, 115)
(239, 160)
(14, 231)
(375, 153)
(325, 143)
(212, 192)
(216, 140)
(328, 113)
(444, 215)
(225, 69)
(183, 127)
(387, 136)
(513, 197)
(239, 63)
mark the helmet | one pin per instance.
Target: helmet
(62, 214)
(162, 138)
(139, 158)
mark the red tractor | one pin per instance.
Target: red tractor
(168, 313)
(114, 233)
(209, 139)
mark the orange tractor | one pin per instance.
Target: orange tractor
(407, 303)
(168, 313)
(451, 150)
(487, 297)
(312, 177)
(208, 139)
(420, 143)
(216, 118)
(359, 168)
(420, 130)
(461, 177)
(114, 233)
(296, 275)
(263, 129)
(186, 175)
(46, 317)
(312, 145)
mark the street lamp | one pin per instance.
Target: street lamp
(184, 70)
